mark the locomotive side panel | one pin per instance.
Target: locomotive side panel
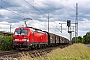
(36, 37)
(44, 38)
(40, 37)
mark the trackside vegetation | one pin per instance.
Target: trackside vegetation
(73, 52)
(85, 39)
(6, 42)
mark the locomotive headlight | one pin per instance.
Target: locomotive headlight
(28, 40)
(16, 39)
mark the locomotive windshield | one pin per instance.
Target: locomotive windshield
(21, 32)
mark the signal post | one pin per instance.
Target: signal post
(69, 29)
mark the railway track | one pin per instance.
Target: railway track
(7, 53)
(42, 52)
(32, 53)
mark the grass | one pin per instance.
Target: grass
(72, 52)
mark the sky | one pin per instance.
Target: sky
(13, 12)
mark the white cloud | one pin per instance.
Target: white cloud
(4, 12)
(59, 11)
(84, 26)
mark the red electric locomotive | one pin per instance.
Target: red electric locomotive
(29, 37)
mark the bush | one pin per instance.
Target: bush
(6, 43)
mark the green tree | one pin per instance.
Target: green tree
(6, 43)
(80, 39)
(86, 38)
(73, 40)
(77, 41)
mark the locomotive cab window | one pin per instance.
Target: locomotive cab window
(21, 32)
(17, 32)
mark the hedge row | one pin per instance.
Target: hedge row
(6, 43)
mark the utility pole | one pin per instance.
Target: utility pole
(48, 23)
(76, 24)
(70, 32)
(69, 29)
(10, 28)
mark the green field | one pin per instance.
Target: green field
(73, 52)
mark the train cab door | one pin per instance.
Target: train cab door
(32, 37)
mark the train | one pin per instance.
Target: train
(29, 37)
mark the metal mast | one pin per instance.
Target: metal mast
(76, 24)
(10, 28)
(48, 23)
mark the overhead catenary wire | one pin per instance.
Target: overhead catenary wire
(12, 11)
(14, 7)
(33, 7)
(44, 11)
(23, 12)
(8, 9)
(38, 10)
(41, 7)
